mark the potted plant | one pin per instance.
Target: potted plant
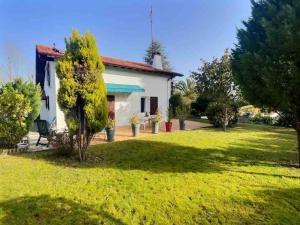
(135, 125)
(155, 122)
(110, 130)
(182, 112)
(168, 124)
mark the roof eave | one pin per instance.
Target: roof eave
(168, 73)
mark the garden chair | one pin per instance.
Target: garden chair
(45, 131)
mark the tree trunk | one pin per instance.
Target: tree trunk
(298, 137)
(225, 119)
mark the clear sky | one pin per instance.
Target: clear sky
(189, 30)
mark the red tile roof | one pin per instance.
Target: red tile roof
(108, 61)
(45, 50)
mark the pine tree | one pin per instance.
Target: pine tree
(266, 60)
(82, 92)
(154, 47)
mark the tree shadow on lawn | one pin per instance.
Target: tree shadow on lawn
(46, 210)
(269, 149)
(268, 206)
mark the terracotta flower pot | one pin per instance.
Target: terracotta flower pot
(168, 126)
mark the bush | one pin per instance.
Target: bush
(215, 114)
(267, 120)
(286, 120)
(62, 144)
(199, 107)
(175, 101)
(20, 104)
(182, 111)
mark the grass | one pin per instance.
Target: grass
(205, 176)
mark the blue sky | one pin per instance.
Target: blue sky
(189, 30)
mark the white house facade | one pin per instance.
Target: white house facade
(132, 88)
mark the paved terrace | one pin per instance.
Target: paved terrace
(121, 134)
(124, 133)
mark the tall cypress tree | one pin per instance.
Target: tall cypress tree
(156, 47)
(82, 92)
(266, 60)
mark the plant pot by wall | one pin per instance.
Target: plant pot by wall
(168, 126)
(155, 127)
(135, 129)
(181, 124)
(110, 133)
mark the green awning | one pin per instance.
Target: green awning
(123, 88)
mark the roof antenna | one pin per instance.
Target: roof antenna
(151, 23)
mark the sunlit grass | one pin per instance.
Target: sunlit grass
(243, 176)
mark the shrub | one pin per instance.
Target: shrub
(249, 110)
(215, 113)
(135, 119)
(175, 101)
(267, 120)
(62, 144)
(20, 104)
(182, 111)
(286, 120)
(110, 123)
(198, 108)
(156, 118)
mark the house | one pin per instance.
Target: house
(131, 87)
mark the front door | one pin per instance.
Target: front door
(153, 105)
(111, 106)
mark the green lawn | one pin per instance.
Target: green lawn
(206, 176)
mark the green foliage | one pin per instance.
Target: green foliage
(170, 114)
(266, 58)
(214, 80)
(20, 104)
(259, 119)
(155, 47)
(135, 119)
(82, 92)
(197, 177)
(110, 123)
(187, 89)
(199, 107)
(183, 111)
(216, 114)
(156, 118)
(62, 144)
(175, 101)
(250, 110)
(286, 119)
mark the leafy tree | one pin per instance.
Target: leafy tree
(187, 89)
(199, 106)
(20, 104)
(154, 47)
(82, 92)
(215, 80)
(266, 60)
(175, 101)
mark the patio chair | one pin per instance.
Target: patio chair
(44, 131)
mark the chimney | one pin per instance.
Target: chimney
(157, 61)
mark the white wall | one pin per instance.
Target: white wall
(51, 91)
(127, 104)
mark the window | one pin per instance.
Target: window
(48, 73)
(47, 103)
(143, 101)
